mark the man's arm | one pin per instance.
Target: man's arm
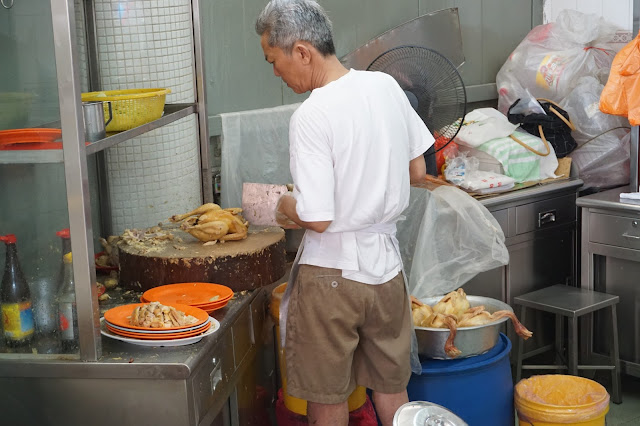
(417, 169)
(287, 206)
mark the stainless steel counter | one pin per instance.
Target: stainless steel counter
(610, 263)
(130, 384)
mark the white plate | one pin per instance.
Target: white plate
(215, 325)
(153, 330)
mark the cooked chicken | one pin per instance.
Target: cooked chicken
(483, 317)
(454, 303)
(156, 315)
(453, 311)
(448, 321)
(420, 313)
(210, 223)
(197, 212)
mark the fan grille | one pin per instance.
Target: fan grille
(432, 85)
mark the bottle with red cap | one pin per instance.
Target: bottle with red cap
(15, 299)
(67, 310)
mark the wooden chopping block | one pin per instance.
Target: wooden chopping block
(254, 262)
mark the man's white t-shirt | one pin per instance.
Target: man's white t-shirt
(350, 146)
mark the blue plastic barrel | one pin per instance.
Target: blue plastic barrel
(478, 389)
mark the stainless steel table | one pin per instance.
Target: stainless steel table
(610, 263)
(136, 385)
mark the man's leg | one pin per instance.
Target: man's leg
(328, 414)
(387, 404)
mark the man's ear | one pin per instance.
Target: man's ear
(303, 52)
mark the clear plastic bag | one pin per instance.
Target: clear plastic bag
(550, 59)
(456, 238)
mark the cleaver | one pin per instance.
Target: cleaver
(259, 202)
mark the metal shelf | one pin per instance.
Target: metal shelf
(172, 112)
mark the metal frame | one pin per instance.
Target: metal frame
(76, 176)
(75, 152)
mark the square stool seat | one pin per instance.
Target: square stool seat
(567, 301)
(571, 303)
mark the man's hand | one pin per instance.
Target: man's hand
(285, 203)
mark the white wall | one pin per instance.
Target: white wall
(619, 12)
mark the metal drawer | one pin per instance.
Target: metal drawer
(612, 230)
(502, 217)
(545, 214)
(211, 379)
(242, 333)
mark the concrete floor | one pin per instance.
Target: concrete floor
(627, 413)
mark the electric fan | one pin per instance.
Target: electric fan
(434, 89)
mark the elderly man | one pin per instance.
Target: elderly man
(355, 146)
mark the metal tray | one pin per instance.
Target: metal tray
(470, 340)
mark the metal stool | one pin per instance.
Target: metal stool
(570, 302)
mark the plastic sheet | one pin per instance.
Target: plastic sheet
(451, 238)
(560, 399)
(255, 148)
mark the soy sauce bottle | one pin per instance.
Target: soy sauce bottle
(15, 299)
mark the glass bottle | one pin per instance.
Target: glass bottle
(65, 237)
(15, 299)
(67, 310)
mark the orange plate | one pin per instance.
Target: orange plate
(121, 316)
(188, 293)
(164, 336)
(214, 305)
(39, 135)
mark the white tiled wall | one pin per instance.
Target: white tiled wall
(146, 44)
(154, 176)
(618, 12)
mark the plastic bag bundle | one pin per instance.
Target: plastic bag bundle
(548, 62)
(457, 239)
(621, 95)
(604, 162)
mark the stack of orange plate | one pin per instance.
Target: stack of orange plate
(116, 322)
(205, 296)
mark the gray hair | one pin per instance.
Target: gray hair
(289, 21)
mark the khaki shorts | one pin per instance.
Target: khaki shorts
(343, 333)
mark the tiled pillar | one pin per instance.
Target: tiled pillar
(146, 44)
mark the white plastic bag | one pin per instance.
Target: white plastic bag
(457, 239)
(603, 161)
(552, 57)
(482, 125)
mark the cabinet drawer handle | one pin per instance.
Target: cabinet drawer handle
(215, 376)
(633, 237)
(546, 217)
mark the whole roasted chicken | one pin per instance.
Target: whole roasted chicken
(453, 311)
(211, 223)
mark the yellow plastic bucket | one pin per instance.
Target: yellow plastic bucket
(299, 406)
(550, 400)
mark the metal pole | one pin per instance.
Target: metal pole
(203, 120)
(76, 177)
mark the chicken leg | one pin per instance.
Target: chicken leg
(197, 212)
(449, 321)
(520, 329)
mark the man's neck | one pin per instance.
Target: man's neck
(330, 69)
